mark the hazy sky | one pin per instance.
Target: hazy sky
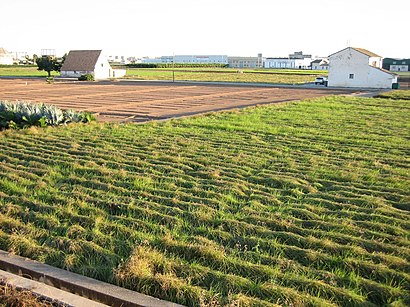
(230, 27)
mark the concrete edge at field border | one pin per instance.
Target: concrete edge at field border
(81, 285)
(46, 292)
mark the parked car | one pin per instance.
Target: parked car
(321, 81)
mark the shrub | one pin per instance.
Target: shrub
(86, 77)
(23, 115)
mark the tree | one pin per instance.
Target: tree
(49, 63)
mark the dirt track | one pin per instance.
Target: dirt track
(143, 101)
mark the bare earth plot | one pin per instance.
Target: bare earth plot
(143, 101)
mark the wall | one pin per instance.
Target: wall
(102, 68)
(117, 73)
(6, 59)
(399, 67)
(351, 62)
(74, 74)
(287, 63)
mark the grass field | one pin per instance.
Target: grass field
(194, 74)
(23, 71)
(226, 75)
(299, 204)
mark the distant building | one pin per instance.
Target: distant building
(6, 58)
(81, 62)
(120, 59)
(320, 64)
(245, 62)
(189, 59)
(357, 67)
(296, 60)
(396, 64)
(299, 55)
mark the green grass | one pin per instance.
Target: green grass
(285, 76)
(396, 94)
(303, 204)
(23, 71)
(226, 75)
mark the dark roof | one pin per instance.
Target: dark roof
(81, 60)
(391, 60)
(316, 61)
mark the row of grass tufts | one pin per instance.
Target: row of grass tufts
(300, 204)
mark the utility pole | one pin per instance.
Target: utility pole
(173, 67)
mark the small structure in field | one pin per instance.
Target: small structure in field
(357, 67)
(6, 58)
(82, 62)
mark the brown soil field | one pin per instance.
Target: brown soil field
(145, 101)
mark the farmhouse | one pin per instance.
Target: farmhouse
(81, 62)
(357, 67)
(396, 64)
(6, 58)
(320, 64)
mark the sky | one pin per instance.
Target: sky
(204, 27)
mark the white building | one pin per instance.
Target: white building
(246, 62)
(320, 64)
(81, 62)
(287, 63)
(356, 67)
(189, 59)
(6, 58)
(296, 60)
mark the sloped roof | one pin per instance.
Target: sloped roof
(385, 70)
(367, 52)
(3, 51)
(361, 50)
(82, 60)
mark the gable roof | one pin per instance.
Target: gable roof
(3, 51)
(361, 50)
(367, 52)
(81, 60)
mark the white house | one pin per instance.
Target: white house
(320, 64)
(356, 67)
(81, 62)
(6, 58)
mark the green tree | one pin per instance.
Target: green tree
(49, 63)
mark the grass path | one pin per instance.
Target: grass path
(297, 204)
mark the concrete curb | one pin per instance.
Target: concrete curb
(84, 286)
(49, 293)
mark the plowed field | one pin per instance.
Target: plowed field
(144, 101)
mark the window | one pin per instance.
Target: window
(102, 64)
(351, 76)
